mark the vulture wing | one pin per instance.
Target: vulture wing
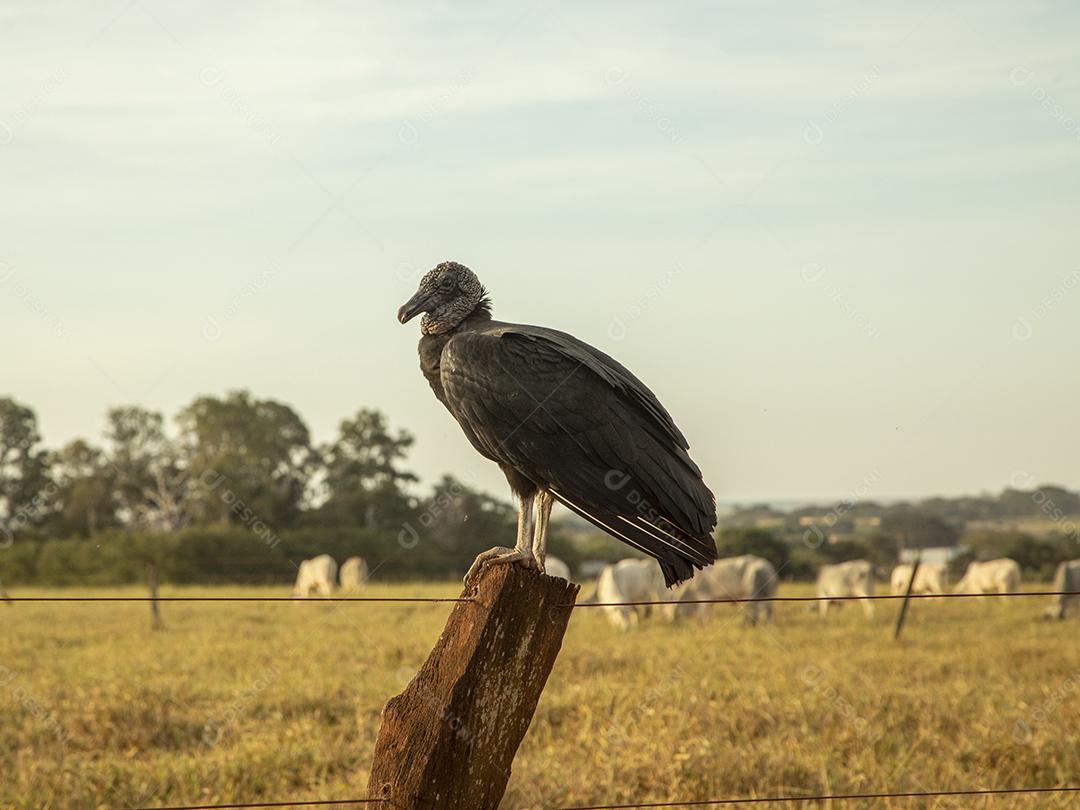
(576, 422)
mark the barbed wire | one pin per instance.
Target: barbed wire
(458, 600)
(849, 797)
(877, 598)
(268, 805)
(989, 793)
(298, 600)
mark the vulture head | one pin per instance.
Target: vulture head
(447, 296)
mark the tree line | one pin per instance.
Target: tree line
(238, 491)
(234, 460)
(238, 486)
(1038, 528)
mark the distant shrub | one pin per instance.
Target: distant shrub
(803, 564)
(224, 555)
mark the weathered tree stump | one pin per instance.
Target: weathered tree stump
(448, 741)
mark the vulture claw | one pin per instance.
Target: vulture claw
(501, 556)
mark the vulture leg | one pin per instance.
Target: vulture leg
(544, 501)
(522, 551)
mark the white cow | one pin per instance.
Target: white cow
(629, 581)
(1067, 578)
(354, 574)
(316, 576)
(850, 579)
(760, 581)
(993, 576)
(931, 578)
(557, 568)
(745, 577)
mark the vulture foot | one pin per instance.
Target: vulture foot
(503, 556)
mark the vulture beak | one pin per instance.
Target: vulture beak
(414, 306)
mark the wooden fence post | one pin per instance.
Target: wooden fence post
(4, 596)
(155, 609)
(448, 741)
(907, 599)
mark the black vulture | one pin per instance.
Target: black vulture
(566, 423)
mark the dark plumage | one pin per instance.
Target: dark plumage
(564, 421)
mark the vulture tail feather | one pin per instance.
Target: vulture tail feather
(677, 559)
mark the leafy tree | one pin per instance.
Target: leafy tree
(135, 440)
(363, 477)
(150, 488)
(803, 564)
(1050, 500)
(1046, 499)
(987, 545)
(1037, 556)
(85, 490)
(462, 521)
(24, 479)
(244, 459)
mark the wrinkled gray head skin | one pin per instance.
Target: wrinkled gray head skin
(448, 295)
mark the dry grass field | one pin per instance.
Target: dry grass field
(245, 702)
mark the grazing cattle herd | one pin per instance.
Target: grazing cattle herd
(629, 590)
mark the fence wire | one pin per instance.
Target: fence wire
(793, 800)
(459, 600)
(317, 600)
(269, 805)
(849, 797)
(877, 598)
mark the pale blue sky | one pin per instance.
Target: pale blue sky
(839, 240)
